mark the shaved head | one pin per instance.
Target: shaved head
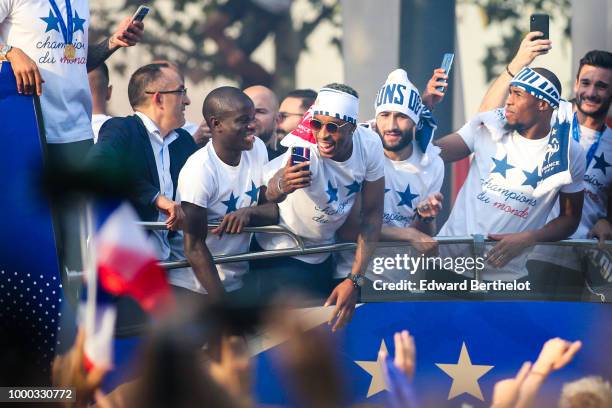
(221, 101)
(260, 93)
(266, 111)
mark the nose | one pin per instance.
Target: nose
(590, 91)
(186, 100)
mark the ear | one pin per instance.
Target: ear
(543, 106)
(214, 123)
(157, 99)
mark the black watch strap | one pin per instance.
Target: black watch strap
(356, 280)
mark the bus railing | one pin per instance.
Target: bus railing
(477, 242)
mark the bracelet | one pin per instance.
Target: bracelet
(426, 220)
(278, 186)
(508, 71)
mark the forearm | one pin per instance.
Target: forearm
(369, 235)
(204, 269)
(263, 214)
(98, 53)
(428, 228)
(560, 228)
(273, 193)
(530, 388)
(391, 234)
(498, 92)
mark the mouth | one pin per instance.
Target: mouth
(250, 137)
(392, 135)
(590, 104)
(326, 147)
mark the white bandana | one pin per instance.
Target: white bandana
(398, 94)
(537, 85)
(338, 104)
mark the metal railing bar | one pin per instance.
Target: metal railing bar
(270, 229)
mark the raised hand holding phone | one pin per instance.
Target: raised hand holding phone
(447, 63)
(130, 31)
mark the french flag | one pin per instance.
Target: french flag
(123, 263)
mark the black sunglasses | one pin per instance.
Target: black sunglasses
(182, 91)
(331, 127)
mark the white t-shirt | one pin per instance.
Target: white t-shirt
(32, 26)
(97, 120)
(315, 213)
(497, 196)
(208, 182)
(597, 179)
(407, 183)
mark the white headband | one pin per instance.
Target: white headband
(537, 85)
(331, 102)
(398, 94)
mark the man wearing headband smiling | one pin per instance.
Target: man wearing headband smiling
(560, 267)
(315, 198)
(521, 166)
(414, 173)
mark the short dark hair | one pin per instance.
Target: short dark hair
(596, 58)
(551, 77)
(342, 88)
(103, 79)
(222, 100)
(140, 81)
(308, 96)
(104, 70)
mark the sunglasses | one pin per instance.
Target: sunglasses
(181, 91)
(331, 127)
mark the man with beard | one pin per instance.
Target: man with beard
(315, 198)
(557, 267)
(222, 182)
(291, 111)
(266, 116)
(414, 173)
(522, 165)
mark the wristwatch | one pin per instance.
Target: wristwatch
(4, 49)
(356, 280)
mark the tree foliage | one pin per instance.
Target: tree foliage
(514, 14)
(175, 31)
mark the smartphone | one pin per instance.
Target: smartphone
(141, 13)
(447, 63)
(539, 22)
(299, 155)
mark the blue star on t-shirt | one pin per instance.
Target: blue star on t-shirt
(332, 192)
(501, 166)
(531, 179)
(353, 188)
(52, 22)
(601, 163)
(406, 197)
(387, 190)
(78, 22)
(231, 203)
(253, 192)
